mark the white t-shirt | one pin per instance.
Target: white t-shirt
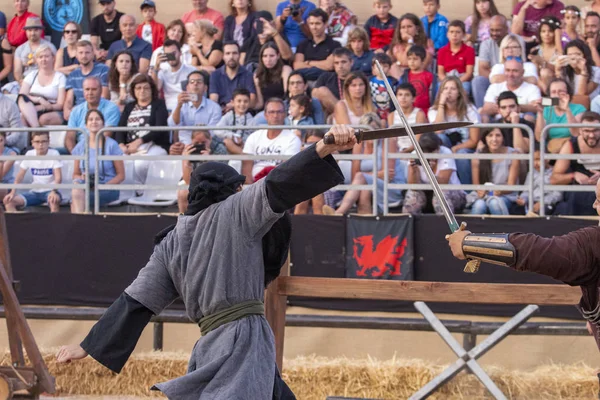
(443, 164)
(404, 141)
(42, 171)
(147, 33)
(526, 93)
(186, 57)
(529, 70)
(172, 83)
(49, 92)
(258, 143)
(471, 116)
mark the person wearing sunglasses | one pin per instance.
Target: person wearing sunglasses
(66, 57)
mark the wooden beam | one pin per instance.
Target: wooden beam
(483, 293)
(275, 308)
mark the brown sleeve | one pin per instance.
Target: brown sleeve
(573, 258)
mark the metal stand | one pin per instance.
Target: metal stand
(467, 359)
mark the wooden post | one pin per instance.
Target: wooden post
(275, 306)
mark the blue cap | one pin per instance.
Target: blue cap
(148, 3)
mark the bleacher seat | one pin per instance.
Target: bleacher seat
(346, 167)
(160, 173)
(582, 99)
(125, 195)
(57, 138)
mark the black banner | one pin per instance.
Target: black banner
(379, 248)
(56, 13)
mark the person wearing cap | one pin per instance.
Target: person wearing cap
(139, 49)
(24, 61)
(104, 29)
(15, 35)
(202, 11)
(151, 31)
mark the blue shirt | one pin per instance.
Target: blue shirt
(107, 167)
(363, 63)
(107, 108)
(291, 28)
(10, 175)
(437, 31)
(139, 49)
(207, 114)
(223, 86)
(76, 78)
(2, 20)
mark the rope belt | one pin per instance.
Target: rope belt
(233, 313)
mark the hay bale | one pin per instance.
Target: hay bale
(319, 377)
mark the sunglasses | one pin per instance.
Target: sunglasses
(69, 31)
(516, 58)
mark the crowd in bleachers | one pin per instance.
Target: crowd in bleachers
(307, 64)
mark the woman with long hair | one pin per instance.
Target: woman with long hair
(357, 100)
(270, 78)
(238, 24)
(110, 172)
(546, 54)
(477, 25)
(66, 60)
(207, 51)
(498, 172)
(175, 31)
(577, 68)
(359, 44)
(513, 46)
(452, 105)
(122, 71)
(409, 31)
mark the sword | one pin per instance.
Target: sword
(472, 265)
(374, 134)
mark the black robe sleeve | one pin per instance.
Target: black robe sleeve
(300, 178)
(114, 336)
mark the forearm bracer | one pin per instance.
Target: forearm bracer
(494, 248)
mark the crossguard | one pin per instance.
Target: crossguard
(329, 139)
(472, 266)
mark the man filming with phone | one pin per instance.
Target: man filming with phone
(169, 80)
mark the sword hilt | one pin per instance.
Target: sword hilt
(329, 139)
(472, 266)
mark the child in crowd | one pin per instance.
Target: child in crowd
(406, 94)
(477, 24)
(571, 23)
(434, 23)
(151, 31)
(551, 198)
(456, 58)
(238, 116)
(379, 94)
(416, 75)
(44, 172)
(380, 27)
(299, 113)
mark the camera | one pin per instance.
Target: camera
(198, 148)
(549, 101)
(295, 9)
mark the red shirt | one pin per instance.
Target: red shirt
(158, 33)
(422, 82)
(212, 15)
(14, 32)
(456, 61)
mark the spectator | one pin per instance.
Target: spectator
(314, 55)
(66, 57)
(92, 90)
(175, 31)
(364, 172)
(24, 61)
(193, 108)
(291, 18)
(417, 201)
(527, 93)
(406, 95)
(269, 141)
(238, 116)
(513, 46)
(592, 35)
(110, 173)
(6, 61)
(452, 104)
(328, 88)
(509, 110)
(488, 56)
(202, 144)
(551, 198)
(341, 20)
(229, 77)
(6, 167)
(380, 26)
(546, 54)
(299, 113)
(123, 69)
(408, 33)
(420, 78)
(571, 23)
(593, 6)
(207, 51)
(456, 58)
(435, 24)
(250, 52)
(577, 68)
(15, 32)
(10, 117)
(527, 16)
(379, 94)
(581, 171)
(202, 11)
(138, 48)
(42, 95)
(86, 68)
(357, 100)
(477, 25)
(105, 29)
(239, 22)
(146, 110)
(496, 172)
(563, 113)
(2, 24)
(358, 44)
(43, 172)
(169, 81)
(271, 76)
(150, 31)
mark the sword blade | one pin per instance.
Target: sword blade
(420, 128)
(450, 218)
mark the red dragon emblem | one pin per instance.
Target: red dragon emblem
(380, 261)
